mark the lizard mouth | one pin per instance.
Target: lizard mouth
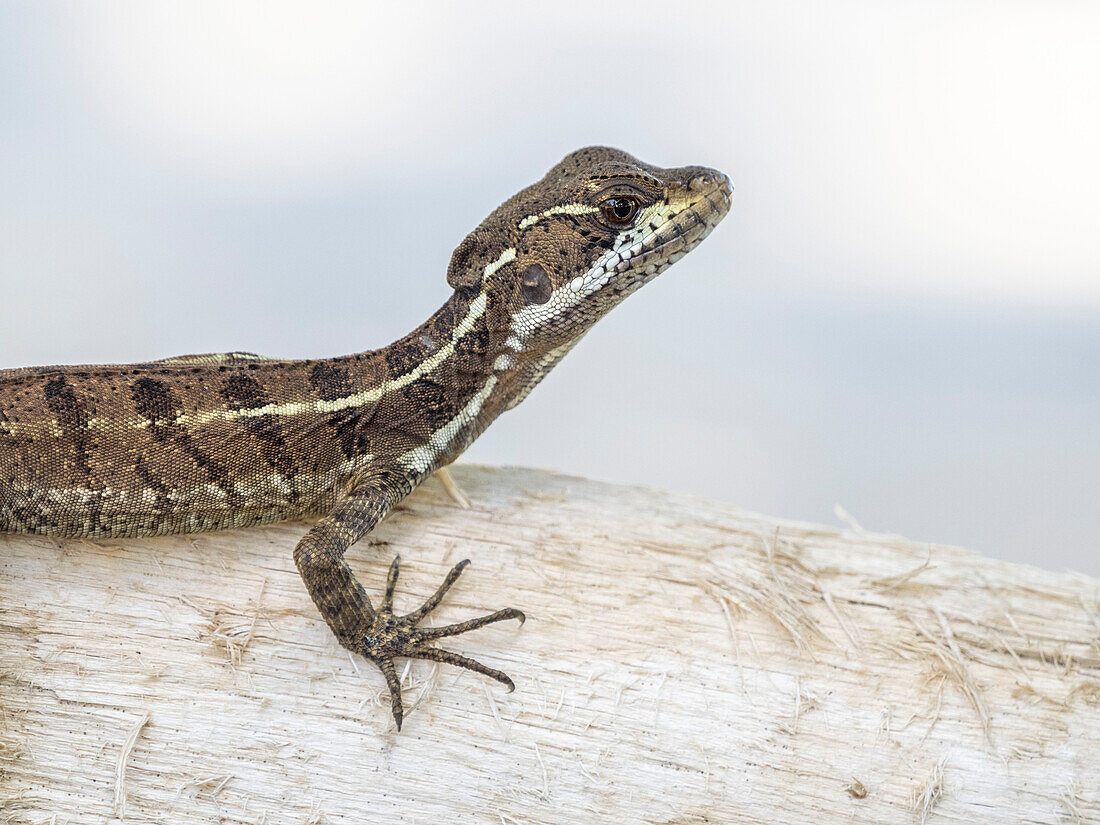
(674, 230)
(707, 200)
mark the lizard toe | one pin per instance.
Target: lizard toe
(392, 636)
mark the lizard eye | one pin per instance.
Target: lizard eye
(619, 211)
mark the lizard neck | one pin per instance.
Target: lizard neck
(428, 394)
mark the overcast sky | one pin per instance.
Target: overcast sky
(901, 315)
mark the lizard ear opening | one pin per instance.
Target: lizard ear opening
(535, 285)
(464, 273)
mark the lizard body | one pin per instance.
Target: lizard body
(222, 440)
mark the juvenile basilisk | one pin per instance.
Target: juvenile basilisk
(203, 442)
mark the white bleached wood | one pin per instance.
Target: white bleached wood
(683, 662)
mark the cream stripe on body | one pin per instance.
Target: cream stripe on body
(420, 458)
(477, 309)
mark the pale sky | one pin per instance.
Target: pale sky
(900, 315)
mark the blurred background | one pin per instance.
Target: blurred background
(900, 316)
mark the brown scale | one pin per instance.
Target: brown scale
(216, 440)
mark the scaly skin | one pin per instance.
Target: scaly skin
(214, 441)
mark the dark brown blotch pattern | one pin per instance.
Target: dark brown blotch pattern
(244, 392)
(156, 402)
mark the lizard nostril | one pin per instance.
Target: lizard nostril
(710, 179)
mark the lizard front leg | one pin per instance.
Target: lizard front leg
(378, 635)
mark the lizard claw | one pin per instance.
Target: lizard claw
(391, 636)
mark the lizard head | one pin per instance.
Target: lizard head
(557, 256)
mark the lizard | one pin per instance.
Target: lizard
(227, 440)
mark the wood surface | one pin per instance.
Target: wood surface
(684, 661)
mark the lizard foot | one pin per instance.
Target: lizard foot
(391, 636)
